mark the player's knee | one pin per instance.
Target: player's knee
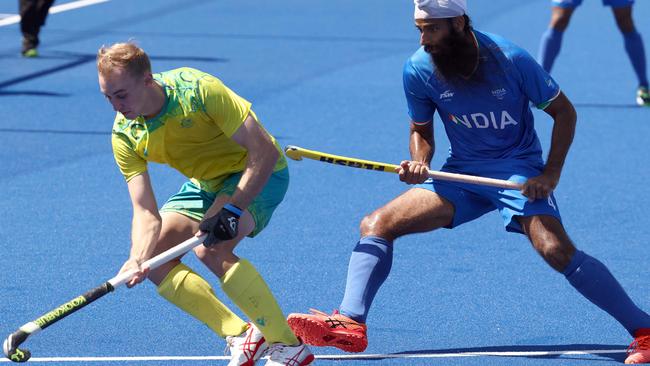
(560, 25)
(375, 224)
(212, 254)
(560, 22)
(625, 26)
(157, 275)
(556, 253)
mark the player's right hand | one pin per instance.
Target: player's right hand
(413, 172)
(140, 275)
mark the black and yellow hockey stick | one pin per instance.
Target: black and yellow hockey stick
(15, 339)
(297, 153)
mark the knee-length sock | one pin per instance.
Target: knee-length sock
(369, 266)
(636, 52)
(594, 281)
(549, 48)
(246, 288)
(190, 292)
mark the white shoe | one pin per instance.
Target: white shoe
(643, 97)
(284, 355)
(247, 347)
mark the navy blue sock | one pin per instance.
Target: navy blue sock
(634, 48)
(369, 267)
(594, 281)
(549, 48)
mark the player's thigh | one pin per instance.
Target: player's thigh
(561, 16)
(224, 249)
(623, 16)
(176, 228)
(416, 210)
(549, 238)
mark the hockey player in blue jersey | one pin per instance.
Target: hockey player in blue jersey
(562, 10)
(481, 86)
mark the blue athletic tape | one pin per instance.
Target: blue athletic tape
(232, 208)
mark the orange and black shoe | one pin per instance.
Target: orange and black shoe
(639, 350)
(336, 330)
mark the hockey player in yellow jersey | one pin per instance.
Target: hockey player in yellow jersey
(237, 176)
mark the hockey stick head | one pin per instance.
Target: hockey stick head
(11, 350)
(293, 152)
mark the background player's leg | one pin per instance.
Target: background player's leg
(551, 41)
(634, 48)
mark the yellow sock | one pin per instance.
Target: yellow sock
(190, 292)
(247, 289)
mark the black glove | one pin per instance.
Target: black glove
(222, 226)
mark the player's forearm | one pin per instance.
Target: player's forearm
(259, 167)
(563, 131)
(421, 146)
(145, 230)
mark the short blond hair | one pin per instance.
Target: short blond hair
(127, 56)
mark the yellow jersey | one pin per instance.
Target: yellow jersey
(192, 133)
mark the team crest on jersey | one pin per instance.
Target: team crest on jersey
(495, 120)
(499, 93)
(137, 129)
(446, 95)
(187, 123)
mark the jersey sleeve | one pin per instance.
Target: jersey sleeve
(227, 109)
(129, 162)
(537, 84)
(420, 107)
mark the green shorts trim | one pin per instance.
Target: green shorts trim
(193, 202)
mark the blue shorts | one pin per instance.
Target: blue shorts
(473, 201)
(576, 3)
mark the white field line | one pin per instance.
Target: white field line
(332, 357)
(13, 19)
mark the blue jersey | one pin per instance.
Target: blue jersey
(487, 117)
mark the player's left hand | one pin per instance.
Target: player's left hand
(412, 172)
(541, 186)
(222, 226)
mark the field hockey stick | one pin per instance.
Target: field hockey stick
(297, 153)
(15, 339)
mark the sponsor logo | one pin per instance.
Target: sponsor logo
(494, 120)
(499, 93)
(60, 312)
(233, 223)
(447, 94)
(352, 164)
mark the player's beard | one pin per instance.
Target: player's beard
(455, 57)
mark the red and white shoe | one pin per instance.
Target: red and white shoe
(285, 355)
(336, 330)
(246, 348)
(639, 350)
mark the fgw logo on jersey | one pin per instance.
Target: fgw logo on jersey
(495, 120)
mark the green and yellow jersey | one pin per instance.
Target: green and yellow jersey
(192, 133)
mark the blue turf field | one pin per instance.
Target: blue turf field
(324, 75)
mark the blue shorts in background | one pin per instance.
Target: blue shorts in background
(576, 3)
(473, 201)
